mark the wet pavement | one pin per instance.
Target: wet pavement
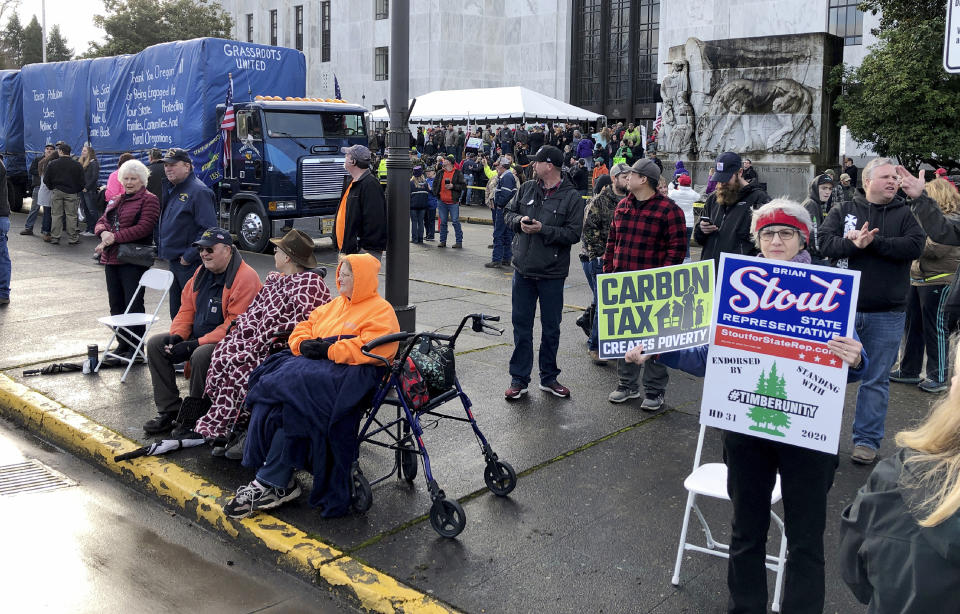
(595, 519)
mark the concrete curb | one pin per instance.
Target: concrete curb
(202, 501)
(477, 220)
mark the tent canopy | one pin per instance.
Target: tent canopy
(487, 104)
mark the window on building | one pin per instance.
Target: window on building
(325, 31)
(381, 9)
(587, 52)
(647, 30)
(298, 25)
(618, 54)
(381, 63)
(249, 27)
(273, 27)
(846, 21)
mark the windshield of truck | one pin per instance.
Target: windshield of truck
(313, 125)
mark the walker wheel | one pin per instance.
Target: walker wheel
(361, 495)
(500, 478)
(409, 461)
(447, 517)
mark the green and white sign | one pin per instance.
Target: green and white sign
(663, 309)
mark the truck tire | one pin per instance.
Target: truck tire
(14, 197)
(252, 227)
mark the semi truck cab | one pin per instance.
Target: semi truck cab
(285, 164)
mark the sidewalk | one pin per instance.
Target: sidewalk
(594, 521)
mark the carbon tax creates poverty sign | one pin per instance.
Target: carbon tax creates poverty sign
(662, 309)
(769, 371)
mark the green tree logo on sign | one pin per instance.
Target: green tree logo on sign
(765, 420)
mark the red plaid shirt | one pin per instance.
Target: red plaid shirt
(645, 235)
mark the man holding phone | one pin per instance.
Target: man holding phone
(547, 215)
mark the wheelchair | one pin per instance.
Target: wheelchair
(404, 433)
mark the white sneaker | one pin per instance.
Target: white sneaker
(87, 234)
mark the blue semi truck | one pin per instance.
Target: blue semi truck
(280, 163)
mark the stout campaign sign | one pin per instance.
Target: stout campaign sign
(662, 309)
(769, 371)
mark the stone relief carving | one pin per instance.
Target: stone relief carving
(709, 109)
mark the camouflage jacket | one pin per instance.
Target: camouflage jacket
(596, 223)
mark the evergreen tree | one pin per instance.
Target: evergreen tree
(57, 50)
(133, 25)
(12, 41)
(32, 42)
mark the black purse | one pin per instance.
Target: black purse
(140, 254)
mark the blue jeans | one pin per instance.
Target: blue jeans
(502, 237)
(90, 213)
(526, 292)
(591, 269)
(880, 332)
(416, 225)
(465, 195)
(452, 212)
(34, 211)
(4, 258)
(274, 471)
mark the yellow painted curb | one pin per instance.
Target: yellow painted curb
(370, 588)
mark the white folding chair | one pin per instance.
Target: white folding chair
(710, 480)
(155, 279)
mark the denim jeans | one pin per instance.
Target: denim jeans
(527, 291)
(451, 212)
(880, 332)
(5, 266)
(34, 211)
(591, 269)
(274, 471)
(502, 237)
(416, 225)
(90, 213)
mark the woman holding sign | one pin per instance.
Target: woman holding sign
(780, 229)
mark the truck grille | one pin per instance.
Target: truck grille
(322, 178)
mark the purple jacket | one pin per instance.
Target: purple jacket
(137, 215)
(585, 148)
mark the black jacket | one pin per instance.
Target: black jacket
(64, 174)
(940, 229)
(155, 179)
(91, 176)
(545, 254)
(365, 227)
(459, 184)
(818, 213)
(35, 172)
(887, 559)
(580, 178)
(734, 223)
(885, 262)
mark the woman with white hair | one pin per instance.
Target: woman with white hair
(781, 230)
(129, 218)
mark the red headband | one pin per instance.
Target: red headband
(779, 216)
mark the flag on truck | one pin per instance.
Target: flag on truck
(228, 124)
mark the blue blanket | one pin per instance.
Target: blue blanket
(319, 404)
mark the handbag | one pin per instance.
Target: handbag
(136, 253)
(435, 362)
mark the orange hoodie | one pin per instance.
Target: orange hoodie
(351, 322)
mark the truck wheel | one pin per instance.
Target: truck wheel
(253, 228)
(14, 197)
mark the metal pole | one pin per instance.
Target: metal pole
(43, 35)
(398, 169)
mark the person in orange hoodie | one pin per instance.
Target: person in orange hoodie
(218, 292)
(334, 332)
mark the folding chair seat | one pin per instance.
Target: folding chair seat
(710, 480)
(120, 324)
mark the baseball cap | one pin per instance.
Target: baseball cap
(175, 154)
(683, 180)
(824, 179)
(844, 177)
(451, 158)
(619, 168)
(212, 236)
(418, 171)
(549, 153)
(504, 161)
(648, 169)
(358, 152)
(726, 165)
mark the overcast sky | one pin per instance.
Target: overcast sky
(75, 18)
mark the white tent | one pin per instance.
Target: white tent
(495, 103)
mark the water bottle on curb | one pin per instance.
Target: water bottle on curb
(93, 358)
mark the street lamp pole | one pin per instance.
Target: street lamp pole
(398, 169)
(43, 35)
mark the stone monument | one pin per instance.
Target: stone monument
(763, 97)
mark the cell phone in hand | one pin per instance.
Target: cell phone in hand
(704, 218)
(526, 221)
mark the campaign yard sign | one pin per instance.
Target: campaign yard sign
(769, 371)
(662, 309)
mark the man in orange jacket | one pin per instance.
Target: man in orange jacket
(218, 292)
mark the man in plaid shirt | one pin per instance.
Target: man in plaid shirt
(648, 231)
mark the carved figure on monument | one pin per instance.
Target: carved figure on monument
(678, 114)
(758, 115)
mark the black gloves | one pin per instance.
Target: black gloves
(183, 350)
(171, 339)
(314, 348)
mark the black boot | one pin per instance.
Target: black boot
(161, 424)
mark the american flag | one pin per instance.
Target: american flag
(336, 88)
(656, 126)
(228, 124)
